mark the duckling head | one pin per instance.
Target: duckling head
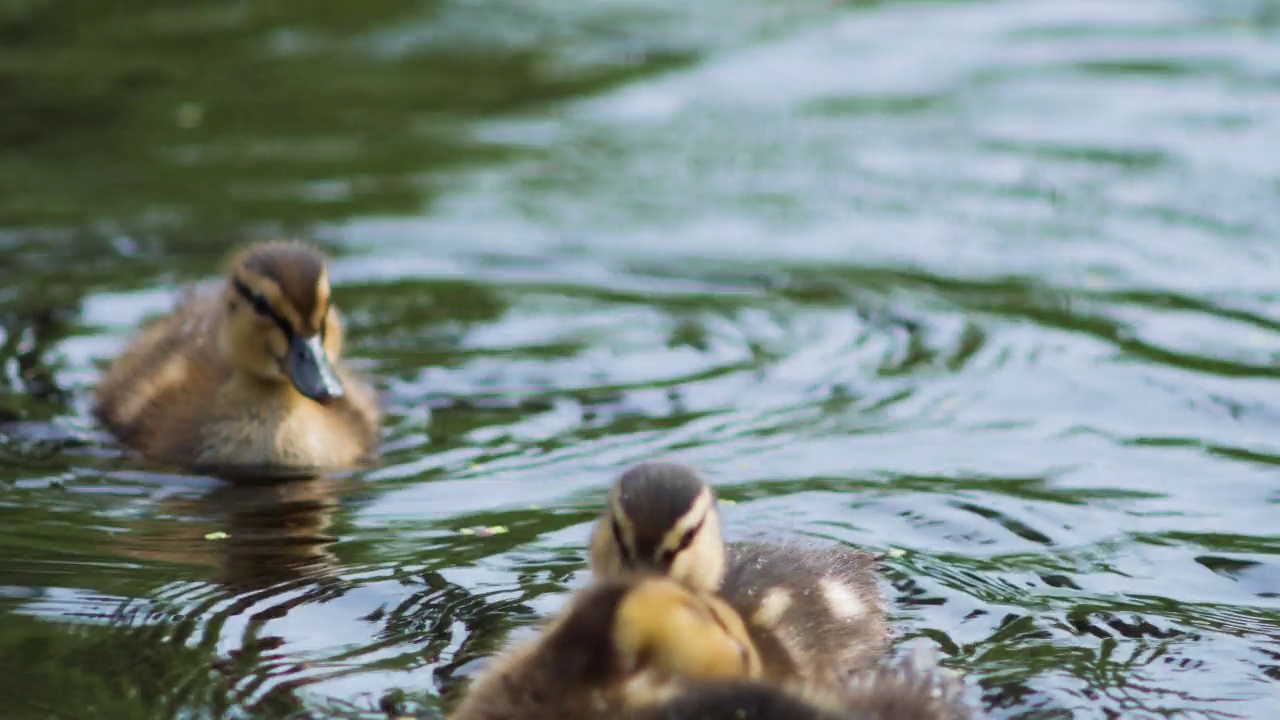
(279, 325)
(661, 518)
(666, 627)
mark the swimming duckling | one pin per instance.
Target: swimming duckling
(914, 688)
(618, 640)
(815, 614)
(242, 376)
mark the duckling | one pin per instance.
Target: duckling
(914, 688)
(814, 614)
(243, 377)
(617, 642)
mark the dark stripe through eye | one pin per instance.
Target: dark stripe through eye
(622, 547)
(668, 556)
(262, 307)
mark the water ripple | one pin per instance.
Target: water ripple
(987, 287)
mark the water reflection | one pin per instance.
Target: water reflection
(269, 550)
(253, 534)
(29, 387)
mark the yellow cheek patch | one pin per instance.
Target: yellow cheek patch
(625, 535)
(320, 314)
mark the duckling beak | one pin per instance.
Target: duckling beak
(309, 368)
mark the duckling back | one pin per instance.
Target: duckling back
(570, 671)
(736, 700)
(814, 613)
(914, 688)
(156, 395)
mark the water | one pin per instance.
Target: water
(988, 283)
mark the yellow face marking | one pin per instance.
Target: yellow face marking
(691, 550)
(665, 627)
(731, 622)
(318, 315)
(677, 539)
(625, 534)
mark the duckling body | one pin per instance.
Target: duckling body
(617, 643)
(815, 615)
(243, 375)
(910, 689)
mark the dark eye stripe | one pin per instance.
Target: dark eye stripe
(668, 556)
(687, 539)
(622, 547)
(262, 307)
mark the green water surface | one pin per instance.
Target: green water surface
(992, 284)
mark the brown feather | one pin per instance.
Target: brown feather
(297, 269)
(807, 638)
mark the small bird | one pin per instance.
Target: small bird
(815, 614)
(243, 375)
(617, 643)
(914, 688)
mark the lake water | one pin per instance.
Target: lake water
(993, 285)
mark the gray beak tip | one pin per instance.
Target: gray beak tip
(311, 372)
(327, 395)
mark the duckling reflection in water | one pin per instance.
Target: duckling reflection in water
(254, 536)
(617, 640)
(815, 614)
(243, 377)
